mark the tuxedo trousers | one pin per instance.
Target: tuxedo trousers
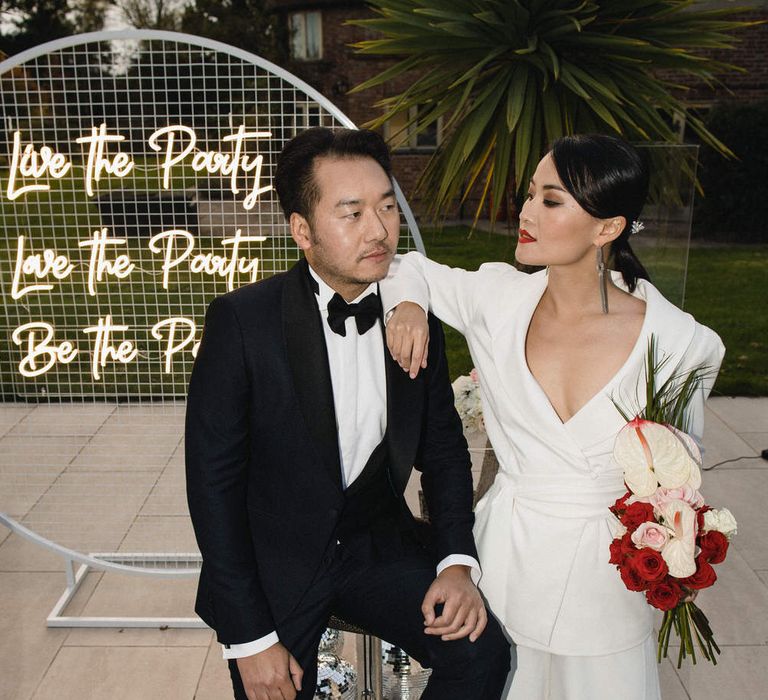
(384, 598)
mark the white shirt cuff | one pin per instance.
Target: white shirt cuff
(463, 560)
(238, 651)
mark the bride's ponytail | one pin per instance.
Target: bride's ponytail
(624, 260)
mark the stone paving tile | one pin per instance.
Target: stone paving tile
(138, 637)
(110, 453)
(164, 501)
(758, 442)
(721, 443)
(743, 491)
(27, 646)
(63, 419)
(742, 414)
(17, 553)
(147, 442)
(30, 451)
(214, 683)
(120, 594)
(160, 418)
(19, 494)
(763, 576)
(29, 466)
(737, 605)
(122, 673)
(741, 674)
(672, 687)
(90, 512)
(11, 414)
(164, 533)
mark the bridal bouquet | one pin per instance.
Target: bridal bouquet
(466, 397)
(669, 539)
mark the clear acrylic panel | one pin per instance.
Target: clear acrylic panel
(663, 243)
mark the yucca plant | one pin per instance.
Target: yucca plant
(508, 77)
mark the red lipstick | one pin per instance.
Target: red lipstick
(525, 237)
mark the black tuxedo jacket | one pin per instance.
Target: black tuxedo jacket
(262, 453)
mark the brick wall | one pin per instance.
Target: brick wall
(751, 54)
(341, 68)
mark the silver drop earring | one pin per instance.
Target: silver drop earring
(602, 279)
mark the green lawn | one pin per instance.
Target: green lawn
(725, 290)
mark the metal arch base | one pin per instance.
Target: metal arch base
(173, 566)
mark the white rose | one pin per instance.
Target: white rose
(618, 530)
(462, 386)
(650, 454)
(679, 552)
(721, 520)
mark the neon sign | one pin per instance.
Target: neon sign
(94, 261)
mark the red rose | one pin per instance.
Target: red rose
(627, 545)
(664, 595)
(700, 517)
(650, 565)
(617, 555)
(714, 546)
(621, 505)
(631, 576)
(704, 577)
(637, 513)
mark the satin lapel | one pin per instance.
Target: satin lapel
(405, 398)
(308, 358)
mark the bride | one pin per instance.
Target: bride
(553, 350)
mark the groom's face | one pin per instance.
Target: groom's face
(352, 233)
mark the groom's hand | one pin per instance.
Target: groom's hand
(272, 674)
(463, 608)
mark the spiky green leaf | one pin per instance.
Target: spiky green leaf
(509, 76)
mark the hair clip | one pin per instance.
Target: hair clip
(636, 227)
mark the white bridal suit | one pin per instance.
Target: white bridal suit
(543, 530)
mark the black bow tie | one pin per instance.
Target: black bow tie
(365, 312)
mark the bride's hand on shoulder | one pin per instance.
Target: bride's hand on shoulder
(408, 337)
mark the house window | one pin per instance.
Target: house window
(402, 139)
(306, 35)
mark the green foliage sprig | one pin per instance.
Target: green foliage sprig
(666, 403)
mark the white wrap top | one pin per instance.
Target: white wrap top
(543, 529)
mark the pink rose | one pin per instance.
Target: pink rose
(685, 493)
(650, 535)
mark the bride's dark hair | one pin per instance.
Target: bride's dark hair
(607, 177)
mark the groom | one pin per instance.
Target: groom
(301, 434)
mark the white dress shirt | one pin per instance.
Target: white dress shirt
(358, 377)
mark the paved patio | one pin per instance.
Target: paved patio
(110, 478)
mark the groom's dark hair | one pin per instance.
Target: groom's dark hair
(294, 176)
